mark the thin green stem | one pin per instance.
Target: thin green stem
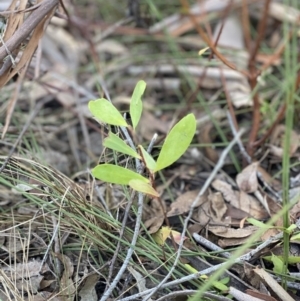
(290, 67)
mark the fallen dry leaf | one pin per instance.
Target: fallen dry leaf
(227, 232)
(149, 125)
(201, 215)
(153, 216)
(247, 179)
(269, 233)
(153, 224)
(140, 280)
(183, 203)
(252, 206)
(268, 179)
(277, 141)
(15, 242)
(88, 292)
(67, 287)
(241, 200)
(205, 137)
(260, 295)
(231, 242)
(236, 213)
(226, 189)
(26, 276)
(218, 207)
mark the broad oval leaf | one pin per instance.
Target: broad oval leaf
(143, 187)
(106, 112)
(115, 174)
(114, 142)
(136, 104)
(149, 161)
(177, 142)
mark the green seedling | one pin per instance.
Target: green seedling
(175, 144)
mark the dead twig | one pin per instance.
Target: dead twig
(27, 27)
(208, 41)
(210, 245)
(8, 12)
(194, 93)
(253, 80)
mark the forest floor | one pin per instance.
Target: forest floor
(225, 225)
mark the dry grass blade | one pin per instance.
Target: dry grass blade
(35, 24)
(19, 55)
(84, 225)
(12, 102)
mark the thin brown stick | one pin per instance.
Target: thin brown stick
(261, 30)
(194, 93)
(206, 39)
(246, 24)
(10, 12)
(253, 80)
(28, 26)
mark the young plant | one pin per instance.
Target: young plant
(175, 144)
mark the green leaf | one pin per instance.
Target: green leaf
(143, 187)
(278, 264)
(177, 142)
(161, 235)
(291, 228)
(191, 269)
(291, 259)
(115, 174)
(114, 142)
(220, 286)
(106, 112)
(136, 105)
(296, 237)
(150, 162)
(217, 284)
(225, 280)
(258, 224)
